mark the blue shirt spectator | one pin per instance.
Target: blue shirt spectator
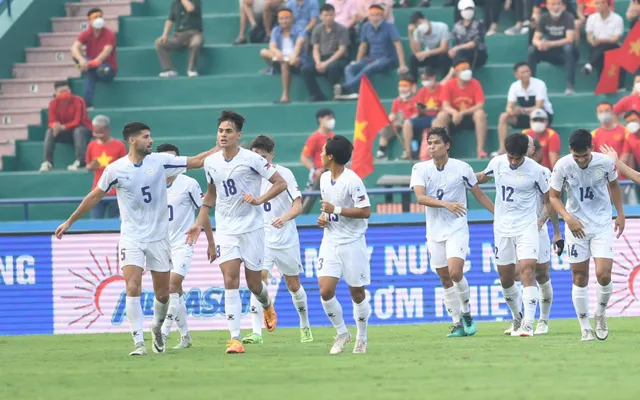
(303, 12)
(380, 41)
(295, 33)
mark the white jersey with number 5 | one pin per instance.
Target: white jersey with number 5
(449, 184)
(347, 191)
(142, 194)
(241, 174)
(287, 236)
(184, 196)
(517, 192)
(587, 189)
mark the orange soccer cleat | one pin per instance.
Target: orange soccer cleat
(234, 347)
(270, 318)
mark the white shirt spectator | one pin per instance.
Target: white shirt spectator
(439, 32)
(607, 28)
(537, 90)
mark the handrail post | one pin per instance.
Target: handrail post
(25, 206)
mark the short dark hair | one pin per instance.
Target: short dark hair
(630, 113)
(416, 16)
(165, 147)
(536, 145)
(236, 119)
(407, 77)
(323, 112)
(429, 71)
(604, 103)
(580, 140)
(340, 148)
(327, 7)
(94, 10)
(59, 84)
(284, 9)
(133, 129)
(263, 142)
(441, 132)
(517, 144)
(376, 6)
(519, 64)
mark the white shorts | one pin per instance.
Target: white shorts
(457, 246)
(287, 260)
(508, 250)
(181, 256)
(598, 243)
(348, 261)
(544, 250)
(151, 256)
(248, 247)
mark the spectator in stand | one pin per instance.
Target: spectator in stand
(305, 14)
(312, 150)
(271, 7)
(100, 63)
(101, 152)
(604, 31)
(553, 42)
(468, 38)
(585, 9)
(429, 43)
(330, 42)
(284, 52)
(381, 40)
(346, 15)
(633, 12)
(463, 104)
(631, 152)
(549, 139)
(403, 107)
(428, 104)
(492, 11)
(186, 15)
(609, 132)
(364, 8)
(248, 10)
(540, 9)
(525, 95)
(68, 123)
(630, 102)
(521, 9)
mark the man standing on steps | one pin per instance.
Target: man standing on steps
(187, 17)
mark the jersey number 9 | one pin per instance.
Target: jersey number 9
(439, 194)
(146, 195)
(229, 187)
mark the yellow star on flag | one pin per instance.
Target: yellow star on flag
(635, 47)
(104, 159)
(359, 132)
(612, 70)
(431, 104)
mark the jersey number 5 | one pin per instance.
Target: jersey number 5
(146, 195)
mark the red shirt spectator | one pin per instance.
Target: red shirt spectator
(627, 103)
(549, 143)
(632, 145)
(313, 147)
(96, 43)
(615, 138)
(462, 97)
(68, 110)
(104, 153)
(404, 109)
(431, 98)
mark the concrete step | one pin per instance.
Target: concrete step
(34, 85)
(22, 101)
(109, 8)
(38, 55)
(20, 116)
(6, 149)
(79, 24)
(11, 133)
(46, 70)
(60, 39)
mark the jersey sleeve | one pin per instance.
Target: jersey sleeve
(543, 180)
(469, 177)
(195, 194)
(417, 176)
(173, 165)
(611, 172)
(108, 180)
(261, 166)
(491, 167)
(557, 178)
(359, 193)
(511, 95)
(292, 186)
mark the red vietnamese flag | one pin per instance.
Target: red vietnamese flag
(609, 78)
(629, 55)
(370, 118)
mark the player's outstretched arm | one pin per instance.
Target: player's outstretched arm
(421, 195)
(482, 177)
(622, 167)
(482, 198)
(197, 162)
(616, 198)
(278, 185)
(209, 201)
(363, 212)
(296, 209)
(85, 206)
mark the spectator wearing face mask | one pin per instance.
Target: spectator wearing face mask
(463, 105)
(631, 152)
(609, 132)
(630, 102)
(549, 139)
(429, 42)
(468, 38)
(402, 108)
(429, 102)
(100, 63)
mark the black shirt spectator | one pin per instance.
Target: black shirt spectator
(468, 37)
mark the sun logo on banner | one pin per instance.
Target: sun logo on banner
(627, 275)
(95, 281)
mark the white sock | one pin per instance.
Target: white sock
(546, 298)
(159, 312)
(172, 313)
(257, 315)
(603, 293)
(453, 304)
(136, 319)
(361, 316)
(263, 296)
(580, 297)
(530, 298)
(511, 296)
(333, 309)
(462, 291)
(181, 320)
(233, 311)
(300, 302)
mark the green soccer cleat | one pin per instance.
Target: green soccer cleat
(468, 324)
(253, 338)
(457, 331)
(305, 335)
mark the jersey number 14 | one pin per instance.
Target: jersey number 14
(586, 193)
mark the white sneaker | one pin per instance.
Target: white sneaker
(185, 342)
(168, 74)
(140, 350)
(45, 166)
(360, 347)
(157, 340)
(587, 335)
(339, 342)
(76, 166)
(514, 326)
(192, 74)
(542, 328)
(602, 330)
(526, 330)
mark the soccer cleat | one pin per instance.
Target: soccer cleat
(305, 335)
(468, 324)
(602, 330)
(457, 331)
(270, 318)
(542, 328)
(253, 338)
(587, 335)
(360, 347)
(185, 342)
(339, 342)
(140, 350)
(234, 347)
(515, 325)
(526, 330)
(157, 339)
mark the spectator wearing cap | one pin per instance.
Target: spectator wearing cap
(380, 50)
(630, 102)
(403, 107)
(100, 62)
(330, 42)
(468, 38)
(609, 132)
(429, 42)
(604, 31)
(186, 15)
(305, 14)
(463, 105)
(429, 103)
(525, 95)
(549, 139)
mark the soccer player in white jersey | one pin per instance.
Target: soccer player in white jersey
(282, 244)
(140, 181)
(184, 196)
(588, 178)
(234, 177)
(519, 181)
(343, 251)
(440, 185)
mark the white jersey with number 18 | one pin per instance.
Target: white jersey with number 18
(287, 236)
(184, 196)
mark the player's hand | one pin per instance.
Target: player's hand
(327, 207)
(278, 222)
(193, 233)
(62, 229)
(248, 198)
(323, 221)
(211, 252)
(558, 244)
(457, 208)
(619, 228)
(576, 228)
(610, 152)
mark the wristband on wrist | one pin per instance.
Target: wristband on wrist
(337, 210)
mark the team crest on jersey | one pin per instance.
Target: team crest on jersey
(450, 177)
(150, 171)
(599, 174)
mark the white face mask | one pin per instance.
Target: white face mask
(636, 87)
(428, 84)
(466, 75)
(98, 23)
(555, 14)
(538, 127)
(467, 14)
(604, 118)
(633, 127)
(330, 124)
(423, 28)
(404, 96)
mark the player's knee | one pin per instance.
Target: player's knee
(580, 279)
(134, 287)
(255, 286)
(162, 296)
(542, 275)
(358, 294)
(456, 276)
(175, 287)
(293, 283)
(327, 293)
(603, 277)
